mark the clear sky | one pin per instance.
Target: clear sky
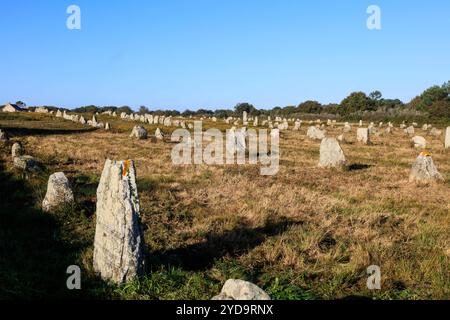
(179, 54)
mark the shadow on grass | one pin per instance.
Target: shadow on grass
(34, 255)
(20, 132)
(233, 243)
(358, 167)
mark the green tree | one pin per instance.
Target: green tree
(356, 102)
(310, 107)
(143, 110)
(241, 107)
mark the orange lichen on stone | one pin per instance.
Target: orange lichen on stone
(425, 154)
(126, 167)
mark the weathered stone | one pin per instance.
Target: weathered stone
(424, 170)
(119, 242)
(3, 136)
(159, 134)
(435, 132)
(347, 128)
(139, 133)
(26, 163)
(331, 154)
(409, 131)
(107, 126)
(16, 150)
(315, 133)
(419, 142)
(82, 120)
(58, 192)
(241, 290)
(362, 135)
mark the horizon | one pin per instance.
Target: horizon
(178, 55)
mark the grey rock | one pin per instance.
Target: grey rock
(139, 132)
(241, 290)
(418, 142)
(363, 135)
(16, 150)
(331, 154)
(59, 192)
(424, 170)
(119, 242)
(26, 163)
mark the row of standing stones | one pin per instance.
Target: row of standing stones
(119, 249)
(119, 254)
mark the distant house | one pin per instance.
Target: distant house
(13, 108)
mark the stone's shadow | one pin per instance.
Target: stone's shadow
(358, 166)
(34, 253)
(14, 131)
(233, 243)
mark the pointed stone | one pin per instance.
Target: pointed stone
(119, 242)
(331, 154)
(424, 170)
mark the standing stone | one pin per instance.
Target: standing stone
(59, 114)
(119, 242)
(82, 120)
(3, 136)
(419, 142)
(331, 154)
(107, 126)
(424, 170)
(435, 132)
(241, 290)
(362, 135)
(347, 128)
(244, 117)
(315, 133)
(409, 131)
(158, 134)
(58, 192)
(255, 122)
(447, 138)
(139, 133)
(26, 163)
(16, 150)
(360, 123)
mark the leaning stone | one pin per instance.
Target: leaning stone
(331, 154)
(424, 170)
(119, 242)
(16, 150)
(139, 133)
(418, 142)
(58, 192)
(362, 135)
(26, 163)
(241, 290)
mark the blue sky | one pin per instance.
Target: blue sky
(179, 54)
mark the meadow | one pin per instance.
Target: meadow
(305, 233)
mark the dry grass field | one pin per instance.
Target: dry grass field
(305, 233)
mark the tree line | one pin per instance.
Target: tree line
(433, 102)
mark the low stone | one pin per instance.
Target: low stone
(418, 142)
(26, 163)
(241, 290)
(435, 132)
(424, 170)
(315, 133)
(16, 150)
(410, 131)
(139, 132)
(3, 136)
(59, 192)
(331, 154)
